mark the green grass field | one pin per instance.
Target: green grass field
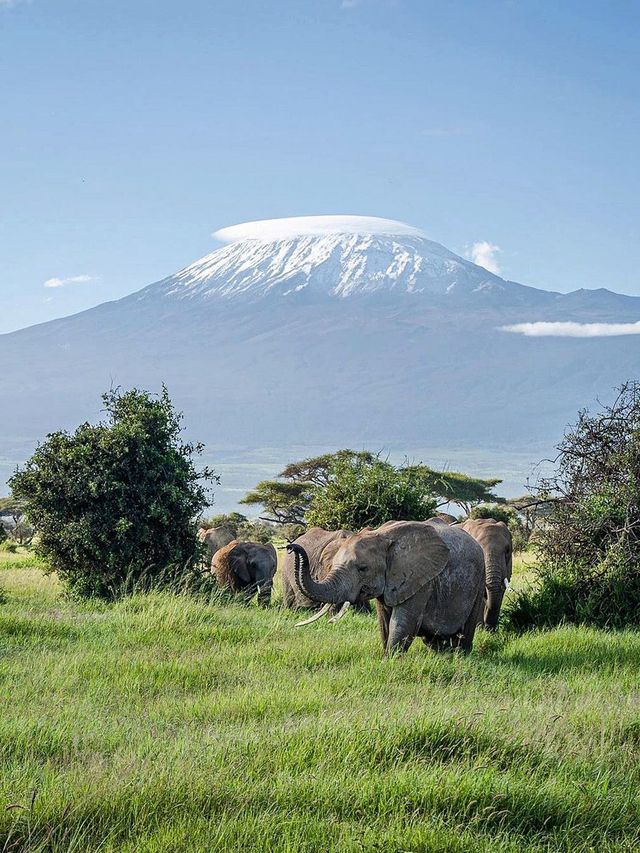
(166, 724)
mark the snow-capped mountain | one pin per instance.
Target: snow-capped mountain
(329, 331)
(327, 265)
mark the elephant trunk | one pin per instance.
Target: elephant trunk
(331, 590)
(495, 577)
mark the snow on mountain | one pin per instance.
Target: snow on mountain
(326, 256)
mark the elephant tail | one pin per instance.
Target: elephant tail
(221, 565)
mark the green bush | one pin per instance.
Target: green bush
(115, 503)
(233, 521)
(496, 511)
(368, 492)
(589, 539)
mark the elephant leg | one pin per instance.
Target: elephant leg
(431, 642)
(404, 625)
(288, 594)
(469, 630)
(383, 614)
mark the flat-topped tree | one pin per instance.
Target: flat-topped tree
(452, 487)
(303, 484)
(286, 500)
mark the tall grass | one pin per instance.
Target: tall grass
(166, 723)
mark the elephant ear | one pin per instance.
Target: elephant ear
(327, 554)
(416, 555)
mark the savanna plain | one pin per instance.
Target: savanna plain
(170, 723)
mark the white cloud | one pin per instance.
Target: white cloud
(573, 330)
(72, 279)
(484, 254)
(296, 226)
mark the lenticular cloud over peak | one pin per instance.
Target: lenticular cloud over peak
(269, 230)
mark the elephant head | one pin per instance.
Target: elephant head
(494, 537)
(246, 568)
(391, 563)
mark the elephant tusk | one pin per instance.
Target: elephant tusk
(315, 617)
(340, 612)
(507, 585)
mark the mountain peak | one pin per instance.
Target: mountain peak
(326, 257)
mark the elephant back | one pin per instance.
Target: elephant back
(221, 566)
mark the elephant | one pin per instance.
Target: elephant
(246, 568)
(214, 538)
(494, 537)
(320, 545)
(427, 579)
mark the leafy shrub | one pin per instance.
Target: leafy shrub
(368, 492)
(589, 541)
(495, 511)
(257, 531)
(115, 503)
(232, 520)
(9, 546)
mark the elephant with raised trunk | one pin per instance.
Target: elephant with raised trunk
(427, 579)
(494, 537)
(320, 545)
(246, 568)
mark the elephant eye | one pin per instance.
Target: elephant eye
(362, 568)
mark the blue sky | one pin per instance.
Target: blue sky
(133, 130)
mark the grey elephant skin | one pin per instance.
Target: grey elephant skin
(214, 538)
(320, 545)
(494, 537)
(427, 579)
(246, 568)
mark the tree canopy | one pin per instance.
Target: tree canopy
(366, 493)
(459, 489)
(589, 536)
(289, 499)
(116, 503)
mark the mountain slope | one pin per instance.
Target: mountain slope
(333, 338)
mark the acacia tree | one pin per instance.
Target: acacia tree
(452, 487)
(21, 531)
(367, 492)
(115, 503)
(589, 540)
(288, 499)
